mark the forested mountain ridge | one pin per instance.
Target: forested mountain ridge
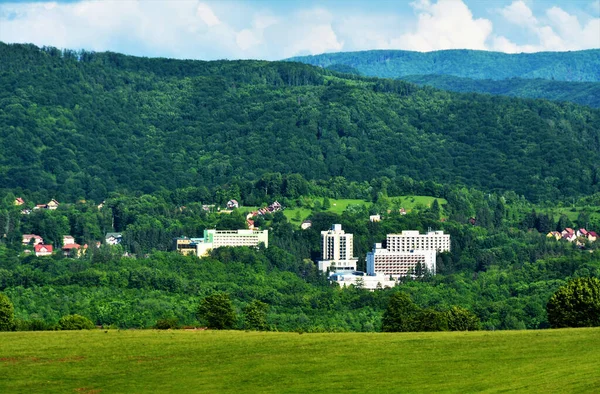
(562, 66)
(80, 124)
(584, 93)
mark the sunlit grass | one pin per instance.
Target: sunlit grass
(250, 362)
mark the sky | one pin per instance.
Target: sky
(278, 29)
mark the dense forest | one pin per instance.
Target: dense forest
(581, 66)
(79, 125)
(143, 146)
(584, 93)
(504, 268)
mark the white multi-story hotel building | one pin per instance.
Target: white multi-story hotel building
(217, 238)
(398, 264)
(412, 240)
(338, 250)
(404, 251)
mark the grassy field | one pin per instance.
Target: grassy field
(250, 362)
(339, 206)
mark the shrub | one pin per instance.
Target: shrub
(75, 322)
(431, 320)
(461, 319)
(256, 316)
(167, 323)
(7, 314)
(32, 325)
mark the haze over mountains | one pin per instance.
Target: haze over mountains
(550, 75)
(79, 125)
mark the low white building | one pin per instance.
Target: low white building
(360, 279)
(216, 238)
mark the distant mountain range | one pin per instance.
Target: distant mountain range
(560, 76)
(584, 93)
(579, 66)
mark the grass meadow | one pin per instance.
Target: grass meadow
(338, 206)
(138, 361)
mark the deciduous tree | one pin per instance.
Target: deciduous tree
(576, 304)
(217, 311)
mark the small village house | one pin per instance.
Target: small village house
(32, 238)
(43, 250)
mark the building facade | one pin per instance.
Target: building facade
(407, 253)
(360, 279)
(337, 250)
(398, 264)
(412, 240)
(216, 238)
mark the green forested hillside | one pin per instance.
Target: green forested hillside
(562, 66)
(79, 125)
(584, 93)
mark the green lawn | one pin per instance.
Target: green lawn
(139, 361)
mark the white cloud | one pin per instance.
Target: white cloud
(519, 14)
(206, 14)
(446, 24)
(561, 32)
(210, 29)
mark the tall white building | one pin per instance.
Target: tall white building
(338, 249)
(404, 251)
(216, 238)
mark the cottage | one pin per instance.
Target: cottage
(32, 238)
(306, 225)
(375, 218)
(52, 205)
(67, 239)
(43, 250)
(569, 234)
(232, 204)
(72, 249)
(19, 201)
(554, 234)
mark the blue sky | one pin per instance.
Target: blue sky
(271, 29)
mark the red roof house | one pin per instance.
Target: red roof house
(43, 250)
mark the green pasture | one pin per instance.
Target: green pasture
(138, 361)
(339, 206)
